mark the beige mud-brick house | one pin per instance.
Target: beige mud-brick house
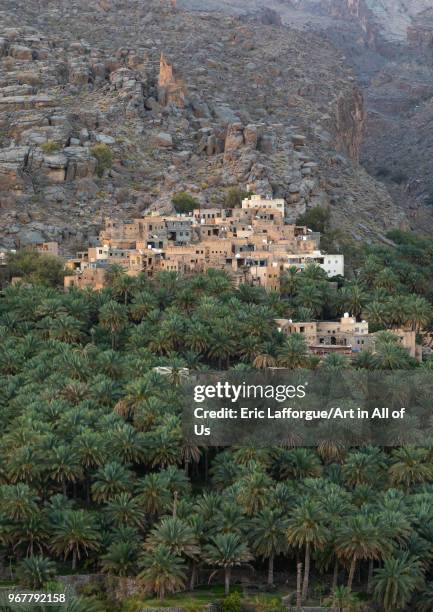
(51, 248)
(258, 202)
(346, 335)
(208, 215)
(306, 329)
(346, 332)
(90, 277)
(253, 244)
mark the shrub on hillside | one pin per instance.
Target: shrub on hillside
(317, 218)
(104, 156)
(184, 203)
(28, 78)
(50, 147)
(34, 267)
(234, 196)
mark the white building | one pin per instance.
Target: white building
(257, 201)
(333, 265)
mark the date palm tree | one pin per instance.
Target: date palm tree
(89, 448)
(395, 582)
(249, 347)
(376, 314)
(191, 453)
(125, 510)
(410, 466)
(121, 559)
(353, 298)
(137, 393)
(197, 337)
(358, 538)
(126, 443)
(387, 279)
(175, 535)
(424, 601)
(229, 517)
(391, 356)
(35, 572)
(361, 468)
(18, 502)
(111, 480)
(268, 530)
(224, 471)
(310, 296)
(226, 551)
(343, 600)
(113, 317)
(307, 529)
(289, 281)
(293, 353)
(221, 345)
(152, 494)
(64, 466)
(254, 491)
(25, 464)
(419, 312)
(75, 535)
(67, 329)
(335, 363)
(162, 573)
(163, 447)
(298, 463)
(31, 532)
(266, 356)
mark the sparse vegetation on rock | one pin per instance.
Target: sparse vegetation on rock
(184, 203)
(104, 155)
(50, 147)
(234, 196)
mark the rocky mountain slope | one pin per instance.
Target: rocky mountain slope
(389, 44)
(393, 57)
(111, 107)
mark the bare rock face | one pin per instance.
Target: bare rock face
(235, 137)
(12, 161)
(171, 88)
(349, 123)
(162, 140)
(110, 107)
(265, 16)
(420, 32)
(251, 136)
(381, 21)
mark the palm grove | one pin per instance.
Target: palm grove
(94, 472)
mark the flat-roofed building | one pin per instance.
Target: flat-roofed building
(333, 265)
(254, 244)
(51, 248)
(93, 278)
(259, 202)
(324, 336)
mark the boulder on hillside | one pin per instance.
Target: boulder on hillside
(162, 140)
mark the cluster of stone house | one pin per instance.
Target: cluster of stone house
(345, 337)
(254, 244)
